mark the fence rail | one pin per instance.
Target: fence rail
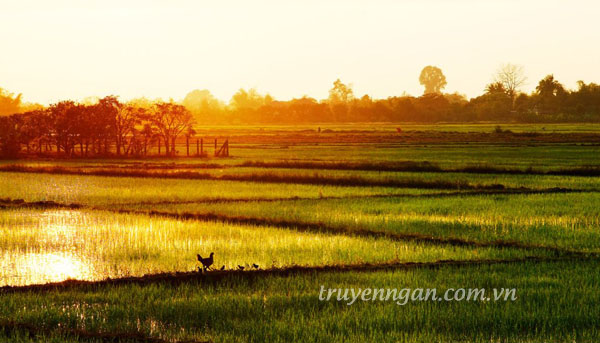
(187, 147)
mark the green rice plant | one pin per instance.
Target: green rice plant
(555, 301)
(38, 246)
(98, 190)
(568, 221)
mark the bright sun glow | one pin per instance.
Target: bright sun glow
(74, 49)
(34, 268)
(60, 267)
(53, 264)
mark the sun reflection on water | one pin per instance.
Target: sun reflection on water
(33, 268)
(54, 257)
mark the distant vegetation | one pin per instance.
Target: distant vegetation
(502, 101)
(107, 126)
(95, 129)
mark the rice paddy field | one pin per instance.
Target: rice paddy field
(105, 250)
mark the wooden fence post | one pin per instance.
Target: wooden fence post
(224, 150)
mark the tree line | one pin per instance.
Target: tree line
(91, 128)
(501, 101)
(104, 128)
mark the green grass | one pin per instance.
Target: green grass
(569, 221)
(446, 155)
(556, 302)
(100, 190)
(507, 180)
(391, 127)
(41, 246)
(521, 155)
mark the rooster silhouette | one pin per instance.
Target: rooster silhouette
(206, 262)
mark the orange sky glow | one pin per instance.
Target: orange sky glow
(56, 50)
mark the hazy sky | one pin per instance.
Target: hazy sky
(54, 50)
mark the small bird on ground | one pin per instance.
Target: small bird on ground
(222, 268)
(240, 267)
(206, 262)
(255, 266)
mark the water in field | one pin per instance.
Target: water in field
(36, 268)
(55, 245)
(42, 249)
(40, 246)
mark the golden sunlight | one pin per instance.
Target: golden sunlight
(36, 268)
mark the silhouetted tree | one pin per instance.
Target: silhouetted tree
(9, 136)
(340, 96)
(127, 117)
(66, 120)
(105, 118)
(432, 107)
(494, 104)
(432, 79)
(402, 108)
(361, 109)
(586, 100)
(149, 135)
(170, 120)
(96, 124)
(245, 104)
(512, 77)
(204, 106)
(35, 130)
(9, 103)
(306, 110)
(550, 95)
